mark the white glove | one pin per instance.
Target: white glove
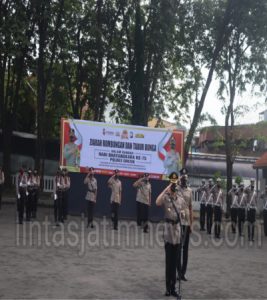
(27, 194)
(18, 196)
(55, 196)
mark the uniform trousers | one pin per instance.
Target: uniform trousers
(90, 212)
(217, 220)
(171, 259)
(35, 203)
(138, 213)
(202, 216)
(241, 219)
(21, 202)
(65, 204)
(183, 255)
(58, 207)
(209, 210)
(114, 214)
(251, 218)
(234, 211)
(30, 204)
(265, 221)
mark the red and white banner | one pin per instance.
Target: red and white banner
(133, 150)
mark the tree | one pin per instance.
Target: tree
(243, 53)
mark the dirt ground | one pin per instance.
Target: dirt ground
(40, 260)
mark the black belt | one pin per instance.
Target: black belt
(172, 221)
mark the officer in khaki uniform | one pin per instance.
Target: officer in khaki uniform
(202, 190)
(2, 181)
(22, 192)
(143, 200)
(114, 184)
(209, 206)
(234, 207)
(59, 187)
(31, 191)
(264, 198)
(251, 208)
(187, 222)
(36, 187)
(218, 207)
(242, 204)
(91, 195)
(174, 208)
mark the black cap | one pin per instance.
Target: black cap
(146, 174)
(116, 171)
(183, 171)
(173, 177)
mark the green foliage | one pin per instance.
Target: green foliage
(238, 179)
(217, 175)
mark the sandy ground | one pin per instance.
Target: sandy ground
(39, 260)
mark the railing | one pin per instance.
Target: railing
(48, 183)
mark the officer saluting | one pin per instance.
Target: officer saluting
(234, 206)
(264, 198)
(91, 194)
(202, 190)
(114, 184)
(173, 205)
(251, 209)
(143, 200)
(218, 207)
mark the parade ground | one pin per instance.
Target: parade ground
(41, 261)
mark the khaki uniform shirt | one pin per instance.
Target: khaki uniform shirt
(210, 196)
(251, 198)
(92, 188)
(172, 231)
(143, 193)
(264, 198)
(115, 185)
(187, 195)
(21, 182)
(242, 199)
(202, 194)
(218, 196)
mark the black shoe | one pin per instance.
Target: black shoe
(20, 222)
(174, 293)
(115, 228)
(92, 225)
(184, 278)
(167, 293)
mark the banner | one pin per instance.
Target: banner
(133, 150)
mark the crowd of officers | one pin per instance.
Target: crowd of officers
(27, 191)
(176, 200)
(243, 207)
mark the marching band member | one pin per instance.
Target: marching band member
(234, 207)
(174, 206)
(218, 207)
(242, 204)
(143, 200)
(202, 190)
(251, 209)
(209, 205)
(91, 195)
(22, 193)
(30, 198)
(114, 184)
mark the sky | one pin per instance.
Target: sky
(213, 106)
